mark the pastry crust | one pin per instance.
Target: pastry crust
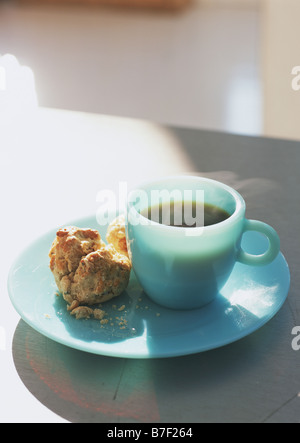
(116, 234)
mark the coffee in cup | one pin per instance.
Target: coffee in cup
(183, 259)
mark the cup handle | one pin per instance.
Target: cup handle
(270, 254)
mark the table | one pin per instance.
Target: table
(52, 165)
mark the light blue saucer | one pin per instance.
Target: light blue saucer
(138, 328)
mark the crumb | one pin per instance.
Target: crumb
(82, 312)
(157, 314)
(104, 321)
(121, 308)
(99, 314)
(73, 305)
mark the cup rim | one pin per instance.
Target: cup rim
(239, 204)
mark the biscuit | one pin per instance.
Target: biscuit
(100, 276)
(70, 245)
(86, 270)
(116, 234)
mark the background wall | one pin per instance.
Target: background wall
(216, 64)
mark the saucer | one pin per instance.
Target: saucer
(139, 328)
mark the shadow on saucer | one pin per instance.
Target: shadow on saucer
(122, 321)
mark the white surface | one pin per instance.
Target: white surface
(52, 165)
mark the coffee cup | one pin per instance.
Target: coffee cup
(185, 263)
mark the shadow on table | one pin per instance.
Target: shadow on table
(83, 387)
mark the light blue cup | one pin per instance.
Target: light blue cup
(185, 268)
